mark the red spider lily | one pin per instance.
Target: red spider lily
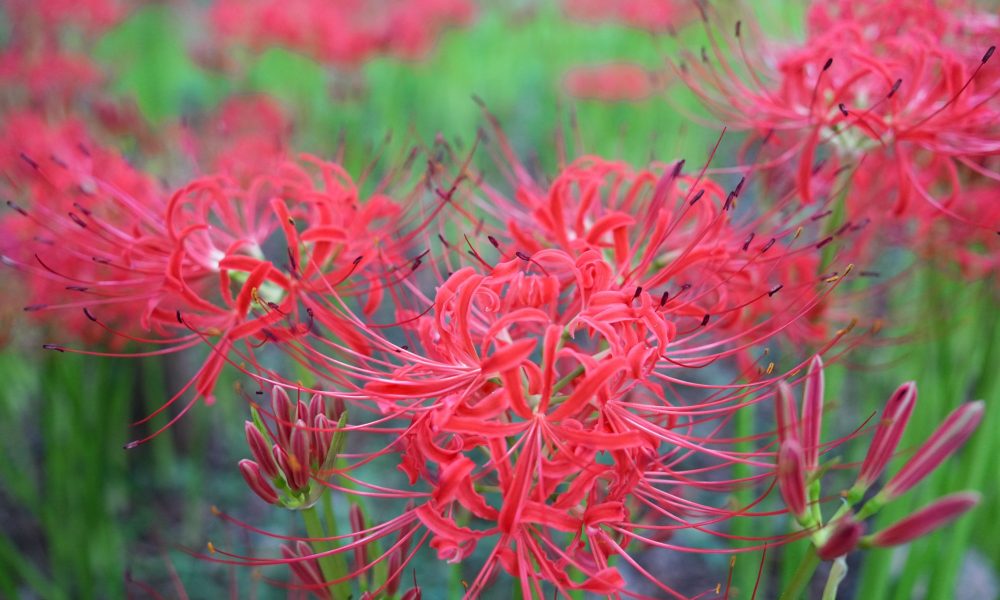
(658, 17)
(49, 16)
(612, 82)
(909, 106)
(52, 200)
(540, 391)
(36, 66)
(192, 267)
(344, 34)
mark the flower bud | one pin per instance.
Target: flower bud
(258, 448)
(412, 594)
(296, 477)
(844, 538)
(785, 412)
(256, 481)
(791, 476)
(926, 520)
(357, 520)
(322, 436)
(895, 416)
(304, 566)
(282, 408)
(393, 577)
(812, 413)
(317, 406)
(301, 439)
(947, 439)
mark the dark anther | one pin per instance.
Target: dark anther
(28, 160)
(739, 186)
(179, 318)
(35, 307)
(664, 298)
(357, 260)
(739, 24)
(685, 287)
(989, 53)
(843, 109)
(76, 219)
(746, 244)
(819, 216)
(895, 88)
(100, 260)
(729, 200)
(768, 245)
(775, 290)
(828, 63)
(89, 314)
(638, 291)
(76, 288)
(493, 241)
(522, 256)
(55, 347)
(677, 168)
(444, 241)
(17, 208)
(697, 197)
(704, 320)
(825, 241)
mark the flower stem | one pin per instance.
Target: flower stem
(333, 566)
(802, 575)
(837, 574)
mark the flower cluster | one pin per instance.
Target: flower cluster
(536, 376)
(345, 33)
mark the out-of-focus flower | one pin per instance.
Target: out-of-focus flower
(345, 33)
(612, 82)
(657, 16)
(902, 94)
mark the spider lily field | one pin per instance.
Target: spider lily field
(457, 299)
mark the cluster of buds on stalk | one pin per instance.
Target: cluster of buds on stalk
(303, 448)
(799, 471)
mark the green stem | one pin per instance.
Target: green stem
(837, 573)
(802, 575)
(333, 566)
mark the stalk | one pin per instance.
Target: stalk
(802, 575)
(333, 566)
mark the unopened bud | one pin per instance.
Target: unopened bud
(890, 429)
(944, 442)
(844, 538)
(259, 450)
(812, 413)
(791, 476)
(255, 481)
(282, 408)
(785, 412)
(926, 520)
